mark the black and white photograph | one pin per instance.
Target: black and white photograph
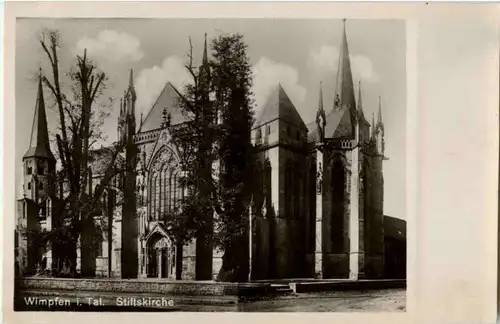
(210, 165)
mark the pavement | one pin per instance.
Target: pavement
(385, 300)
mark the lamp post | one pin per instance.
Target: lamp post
(250, 243)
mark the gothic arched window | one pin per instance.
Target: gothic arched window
(149, 199)
(297, 190)
(153, 196)
(338, 185)
(166, 189)
(365, 202)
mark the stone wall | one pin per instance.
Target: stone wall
(192, 288)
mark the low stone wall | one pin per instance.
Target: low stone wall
(186, 288)
(317, 286)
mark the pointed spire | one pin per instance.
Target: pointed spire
(39, 141)
(204, 73)
(320, 114)
(131, 88)
(360, 101)
(121, 107)
(205, 55)
(131, 79)
(373, 124)
(379, 117)
(344, 92)
(320, 105)
(341, 121)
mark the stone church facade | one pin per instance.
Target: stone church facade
(317, 208)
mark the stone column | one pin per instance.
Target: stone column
(159, 262)
(146, 260)
(318, 254)
(50, 245)
(356, 255)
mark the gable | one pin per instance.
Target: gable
(170, 99)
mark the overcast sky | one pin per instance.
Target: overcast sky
(297, 53)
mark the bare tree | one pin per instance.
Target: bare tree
(77, 109)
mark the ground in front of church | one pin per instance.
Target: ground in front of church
(387, 300)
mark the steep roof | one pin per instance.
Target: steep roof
(170, 99)
(341, 119)
(338, 126)
(279, 106)
(39, 141)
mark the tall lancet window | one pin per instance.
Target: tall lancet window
(297, 191)
(289, 190)
(158, 196)
(166, 185)
(338, 186)
(365, 188)
(165, 192)
(149, 199)
(153, 195)
(267, 180)
(173, 188)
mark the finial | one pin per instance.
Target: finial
(379, 117)
(205, 54)
(131, 79)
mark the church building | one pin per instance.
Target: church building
(317, 209)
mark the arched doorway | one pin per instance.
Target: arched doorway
(160, 257)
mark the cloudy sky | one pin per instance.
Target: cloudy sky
(297, 53)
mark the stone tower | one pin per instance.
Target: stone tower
(347, 204)
(280, 136)
(34, 210)
(39, 162)
(372, 199)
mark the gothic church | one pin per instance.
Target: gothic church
(317, 210)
